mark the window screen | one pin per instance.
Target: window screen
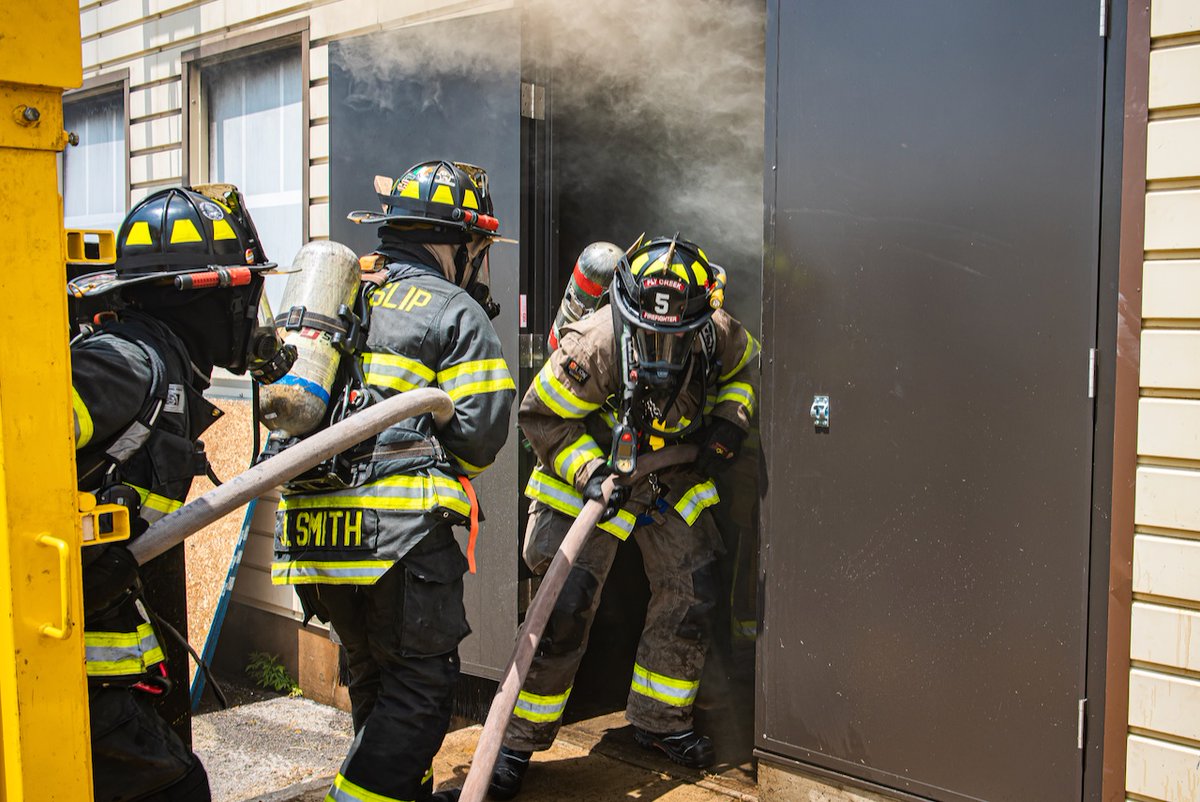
(93, 171)
(255, 130)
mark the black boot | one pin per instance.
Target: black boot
(686, 748)
(450, 795)
(507, 774)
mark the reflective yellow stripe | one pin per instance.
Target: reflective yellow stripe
(471, 470)
(558, 397)
(476, 366)
(328, 572)
(540, 709)
(752, 349)
(575, 456)
(481, 387)
(111, 654)
(155, 506)
(556, 495)
(345, 791)
(739, 392)
(668, 690)
(400, 492)
(395, 372)
(83, 420)
(696, 500)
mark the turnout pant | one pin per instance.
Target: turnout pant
(136, 756)
(680, 566)
(401, 637)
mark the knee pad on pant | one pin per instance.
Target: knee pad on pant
(568, 621)
(697, 620)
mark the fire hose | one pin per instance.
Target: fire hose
(173, 529)
(538, 614)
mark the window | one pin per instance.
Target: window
(255, 127)
(94, 171)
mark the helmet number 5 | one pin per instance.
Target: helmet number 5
(662, 303)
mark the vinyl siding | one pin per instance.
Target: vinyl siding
(1163, 761)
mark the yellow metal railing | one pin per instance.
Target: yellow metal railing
(43, 690)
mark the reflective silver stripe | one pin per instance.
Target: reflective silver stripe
(343, 790)
(669, 690)
(132, 439)
(561, 497)
(541, 709)
(122, 653)
(696, 500)
(332, 572)
(558, 397)
(396, 372)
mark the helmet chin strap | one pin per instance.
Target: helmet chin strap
(476, 289)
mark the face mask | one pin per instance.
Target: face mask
(257, 347)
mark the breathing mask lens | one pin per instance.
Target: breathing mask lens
(268, 358)
(661, 356)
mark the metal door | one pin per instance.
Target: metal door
(444, 90)
(933, 220)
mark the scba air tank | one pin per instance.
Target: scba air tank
(327, 277)
(589, 282)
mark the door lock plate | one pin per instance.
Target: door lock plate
(820, 413)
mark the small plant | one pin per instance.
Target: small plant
(267, 672)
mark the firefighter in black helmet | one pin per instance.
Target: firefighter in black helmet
(668, 365)
(185, 293)
(378, 558)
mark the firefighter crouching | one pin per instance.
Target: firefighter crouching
(666, 366)
(376, 557)
(186, 288)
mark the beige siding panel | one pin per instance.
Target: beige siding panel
(1167, 566)
(156, 99)
(318, 102)
(90, 53)
(155, 67)
(1171, 288)
(119, 45)
(1171, 218)
(151, 134)
(184, 25)
(1169, 427)
(254, 588)
(318, 220)
(119, 13)
(318, 63)
(344, 16)
(89, 21)
(1173, 147)
(1162, 771)
(161, 166)
(1173, 77)
(1168, 497)
(243, 12)
(318, 142)
(1169, 636)
(1171, 359)
(1174, 17)
(318, 181)
(1164, 703)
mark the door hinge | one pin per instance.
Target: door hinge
(1093, 369)
(533, 101)
(1082, 721)
(1104, 18)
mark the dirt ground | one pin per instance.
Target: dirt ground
(288, 750)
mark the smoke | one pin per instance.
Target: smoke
(657, 118)
(654, 108)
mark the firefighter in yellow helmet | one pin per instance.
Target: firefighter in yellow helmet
(376, 556)
(667, 366)
(185, 292)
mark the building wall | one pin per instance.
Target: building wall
(156, 40)
(1164, 684)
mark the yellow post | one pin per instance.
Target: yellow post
(43, 690)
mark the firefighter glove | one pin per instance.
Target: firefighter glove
(592, 492)
(722, 441)
(109, 579)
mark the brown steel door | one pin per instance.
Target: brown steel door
(933, 218)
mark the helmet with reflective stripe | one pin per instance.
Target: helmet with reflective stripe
(664, 293)
(439, 201)
(178, 231)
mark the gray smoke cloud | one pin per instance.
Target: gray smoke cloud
(655, 111)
